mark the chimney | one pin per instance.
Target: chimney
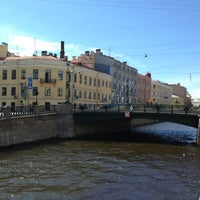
(62, 51)
(44, 53)
(87, 53)
(98, 51)
(148, 75)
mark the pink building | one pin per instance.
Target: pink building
(144, 88)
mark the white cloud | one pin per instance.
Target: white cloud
(25, 46)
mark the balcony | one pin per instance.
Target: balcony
(44, 80)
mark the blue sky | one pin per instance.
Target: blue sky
(167, 31)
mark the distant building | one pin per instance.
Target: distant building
(177, 101)
(196, 102)
(144, 88)
(3, 50)
(124, 77)
(178, 90)
(4, 53)
(161, 93)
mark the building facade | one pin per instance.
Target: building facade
(87, 86)
(161, 93)
(33, 80)
(124, 77)
(177, 101)
(179, 90)
(144, 88)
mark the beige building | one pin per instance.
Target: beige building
(32, 80)
(161, 93)
(87, 86)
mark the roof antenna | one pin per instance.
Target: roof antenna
(34, 50)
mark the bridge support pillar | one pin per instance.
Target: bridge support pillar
(198, 134)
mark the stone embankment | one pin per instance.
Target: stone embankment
(61, 124)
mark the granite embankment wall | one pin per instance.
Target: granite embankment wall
(60, 125)
(27, 129)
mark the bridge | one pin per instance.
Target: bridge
(161, 113)
(165, 113)
(96, 118)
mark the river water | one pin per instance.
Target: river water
(129, 166)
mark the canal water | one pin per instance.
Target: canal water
(146, 164)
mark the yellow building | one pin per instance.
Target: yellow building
(32, 80)
(161, 93)
(177, 101)
(87, 86)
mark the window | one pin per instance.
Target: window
(90, 81)
(85, 95)
(47, 92)
(99, 83)
(102, 83)
(23, 74)
(80, 94)
(75, 93)
(13, 74)
(47, 75)
(35, 74)
(35, 91)
(4, 91)
(95, 81)
(13, 91)
(90, 95)
(60, 75)
(80, 79)
(60, 92)
(98, 96)
(75, 78)
(85, 80)
(4, 75)
(94, 96)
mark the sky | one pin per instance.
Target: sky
(167, 31)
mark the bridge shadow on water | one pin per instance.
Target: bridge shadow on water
(163, 133)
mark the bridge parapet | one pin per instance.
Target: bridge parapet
(143, 108)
